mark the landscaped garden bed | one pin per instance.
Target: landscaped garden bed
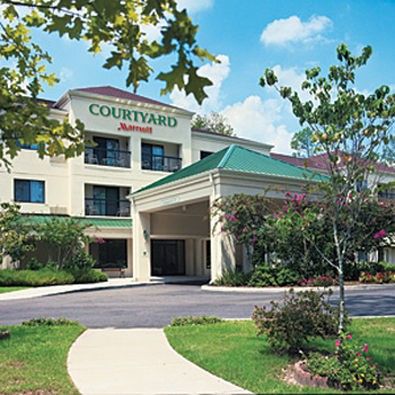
(10, 289)
(233, 351)
(33, 358)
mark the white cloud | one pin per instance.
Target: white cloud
(293, 29)
(65, 74)
(258, 119)
(195, 6)
(217, 73)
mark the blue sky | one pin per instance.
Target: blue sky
(249, 36)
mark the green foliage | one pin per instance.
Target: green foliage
(195, 320)
(67, 238)
(302, 142)
(290, 324)
(16, 237)
(35, 278)
(44, 321)
(233, 279)
(214, 123)
(350, 368)
(242, 217)
(121, 26)
(89, 276)
(47, 276)
(354, 131)
(233, 352)
(265, 275)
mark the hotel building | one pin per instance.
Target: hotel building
(146, 184)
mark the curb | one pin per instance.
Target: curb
(17, 295)
(271, 290)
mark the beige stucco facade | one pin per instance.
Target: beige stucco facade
(101, 184)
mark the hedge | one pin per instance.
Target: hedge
(42, 277)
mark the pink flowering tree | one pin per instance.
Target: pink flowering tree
(243, 217)
(352, 130)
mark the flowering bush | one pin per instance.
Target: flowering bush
(378, 278)
(349, 368)
(290, 324)
(320, 281)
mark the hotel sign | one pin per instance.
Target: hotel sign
(144, 120)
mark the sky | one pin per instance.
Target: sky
(249, 36)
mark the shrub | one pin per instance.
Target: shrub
(354, 270)
(350, 368)
(378, 278)
(233, 279)
(290, 324)
(41, 321)
(320, 281)
(35, 278)
(44, 277)
(265, 275)
(89, 276)
(198, 320)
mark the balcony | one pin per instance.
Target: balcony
(387, 195)
(107, 207)
(161, 163)
(107, 157)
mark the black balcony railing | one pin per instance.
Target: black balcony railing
(107, 157)
(105, 207)
(386, 195)
(161, 163)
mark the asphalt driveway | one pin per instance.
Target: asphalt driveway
(155, 305)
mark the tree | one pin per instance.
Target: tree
(16, 236)
(214, 123)
(353, 130)
(302, 143)
(242, 217)
(119, 25)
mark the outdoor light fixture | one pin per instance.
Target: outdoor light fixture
(146, 234)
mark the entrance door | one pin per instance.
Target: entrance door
(168, 257)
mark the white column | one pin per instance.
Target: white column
(223, 251)
(141, 246)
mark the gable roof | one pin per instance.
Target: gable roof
(321, 162)
(123, 94)
(238, 159)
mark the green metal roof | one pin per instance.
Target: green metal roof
(94, 222)
(238, 159)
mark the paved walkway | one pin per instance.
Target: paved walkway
(137, 361)
(37, 292)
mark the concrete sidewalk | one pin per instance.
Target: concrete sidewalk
(137, 361)
(37, 292)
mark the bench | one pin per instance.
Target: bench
(115, 272)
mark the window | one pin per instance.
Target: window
(29, 191)
(109, 253)
(27, 146)
(205, 154)
(152, 156)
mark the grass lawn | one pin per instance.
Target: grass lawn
(10, 289)
(232, 351)
(34, 359)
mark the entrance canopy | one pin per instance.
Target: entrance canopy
(229, 171)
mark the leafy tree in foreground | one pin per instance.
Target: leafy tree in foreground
(353, 130)
(119, 25)
(213, 122)
(16, 236)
